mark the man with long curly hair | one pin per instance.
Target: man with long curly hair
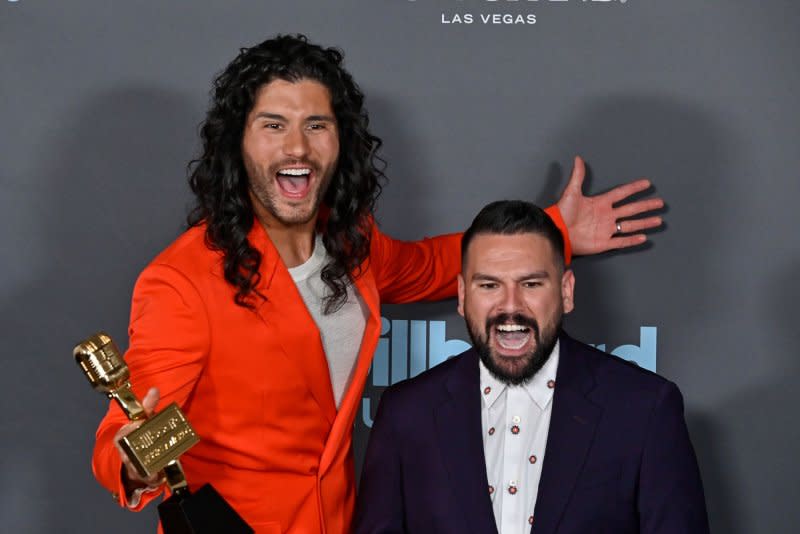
(261, 320)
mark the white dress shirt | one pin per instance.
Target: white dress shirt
(515, 423)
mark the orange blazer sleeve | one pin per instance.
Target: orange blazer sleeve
(408, 271)
(555, 215)
(169, 337)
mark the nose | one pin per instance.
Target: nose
(295, 143)
(511, 300)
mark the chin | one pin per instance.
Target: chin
(293, 215)
(511, 365)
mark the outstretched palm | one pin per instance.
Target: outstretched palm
(595, 225)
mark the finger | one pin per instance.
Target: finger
(150, 401)
(637, 208)
(621, 192)
(127, 429)
(577, 176)
(133, 475)
(637, 225)
(130, 470)
(121, 433)
(124, 457)
(627, 241)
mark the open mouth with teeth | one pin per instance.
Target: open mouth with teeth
(294, 182)
(512, 339)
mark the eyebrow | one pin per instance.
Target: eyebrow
(535, 275)
(279, 117)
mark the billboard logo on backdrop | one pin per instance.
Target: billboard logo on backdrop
(406, 348)
(643, 354)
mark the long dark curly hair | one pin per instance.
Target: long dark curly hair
(220, 182)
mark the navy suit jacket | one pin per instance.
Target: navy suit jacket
(618, 457)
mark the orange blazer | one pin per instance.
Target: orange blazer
(255, 384)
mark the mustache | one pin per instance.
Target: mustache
(516, 318)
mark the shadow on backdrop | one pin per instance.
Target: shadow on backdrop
(406, 159)
(687, 153)
(109, 193)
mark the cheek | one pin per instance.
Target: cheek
(477, 309)
(477, 325)
(328, 148)
(545, 307)
(257, 152)
(333, 154)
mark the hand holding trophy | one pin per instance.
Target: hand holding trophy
(154, 447)
(131, 478)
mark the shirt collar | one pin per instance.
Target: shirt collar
(539, 388)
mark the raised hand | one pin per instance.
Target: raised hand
(595, 225)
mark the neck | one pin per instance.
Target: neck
(294, 247)
(294, 243)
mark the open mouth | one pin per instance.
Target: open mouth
(294, 182)
(512, 337)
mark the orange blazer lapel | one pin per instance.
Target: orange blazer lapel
(285, 313)
(343, 426)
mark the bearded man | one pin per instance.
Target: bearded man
(530, 431)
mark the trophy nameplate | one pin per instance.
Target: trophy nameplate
(162, 439)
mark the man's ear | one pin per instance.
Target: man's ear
(568, 290)
(461, 290)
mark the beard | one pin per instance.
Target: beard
(520, 369)
(289, 213)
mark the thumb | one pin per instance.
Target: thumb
(575, 183)
(150, 401)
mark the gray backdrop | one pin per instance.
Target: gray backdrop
(100, 102)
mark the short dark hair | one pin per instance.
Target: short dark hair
(510, 217)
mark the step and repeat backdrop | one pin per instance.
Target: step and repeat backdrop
(476, 100)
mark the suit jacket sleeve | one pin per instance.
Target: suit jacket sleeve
(409, 271)
(380, 507)
(169, 336)
(671, 496)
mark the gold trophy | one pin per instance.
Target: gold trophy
(155, 446)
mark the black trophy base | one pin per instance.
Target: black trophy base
(201, 512)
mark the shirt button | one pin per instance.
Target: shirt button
(515, 430)
(550, 383)
(512, 490)
(530, 520)
(487, 390)
(516, 419)
(491, 489)
(491, 431)
(532, 458)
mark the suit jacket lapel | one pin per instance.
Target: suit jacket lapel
(285, 312)
(343, 426)
(572, 428)
(458, 426)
